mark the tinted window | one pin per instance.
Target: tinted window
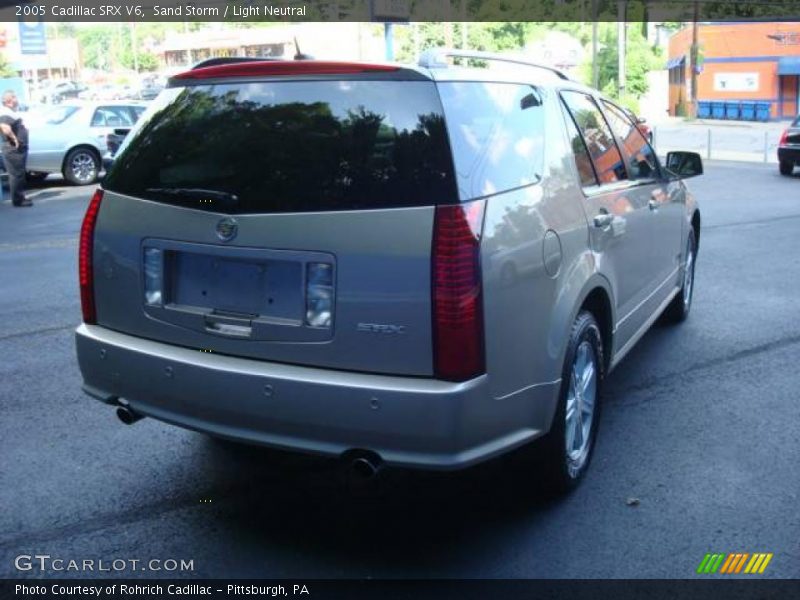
(60, 114)
(602, 148)
(497, 135)
(582, 160)
(112, 116)
(290, 146)
(639, 156)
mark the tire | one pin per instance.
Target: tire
(681, 304)
(36, 176)
(786, 167)
(563, 460)
(81, 166)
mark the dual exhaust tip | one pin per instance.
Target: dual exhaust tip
(128, 416)
(361, 465)
(365, 467)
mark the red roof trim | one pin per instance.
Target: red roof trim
(283, 67)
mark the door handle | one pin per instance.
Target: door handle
(603, 220)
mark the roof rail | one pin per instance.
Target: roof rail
(437, 58)
(229, 60)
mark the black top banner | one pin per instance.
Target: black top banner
(397, 10)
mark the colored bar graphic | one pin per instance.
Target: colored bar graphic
(756, 566)
(703, 563)
(741, 562)
(715, 565)
(751, 564)
(728, 562)
(765, 563)
(734, 563)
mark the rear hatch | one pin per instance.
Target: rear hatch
(280, 213)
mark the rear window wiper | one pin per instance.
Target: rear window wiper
(199, 196)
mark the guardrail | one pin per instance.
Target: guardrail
(748, 145)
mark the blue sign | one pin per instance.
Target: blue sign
(32, 37)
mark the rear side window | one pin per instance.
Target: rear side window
(497, 135)
(582, 160)
(639, 156)
(111, 116)
(290, 146)
(597, 135)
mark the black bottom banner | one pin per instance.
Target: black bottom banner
(216, 589)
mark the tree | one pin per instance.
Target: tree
(5, 68)
(640, 59)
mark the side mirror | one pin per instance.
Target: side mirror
(685, 164)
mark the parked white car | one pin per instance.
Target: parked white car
(71, 138)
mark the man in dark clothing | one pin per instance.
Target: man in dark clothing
(14, 147)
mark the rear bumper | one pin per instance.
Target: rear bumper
(789, 154)
(407, 421)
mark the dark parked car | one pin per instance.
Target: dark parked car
(789, 148)
(150, 90)
(64, 90)
(113, 142)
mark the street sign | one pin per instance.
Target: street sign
(32, 37)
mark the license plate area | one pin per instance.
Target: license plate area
(270, 289)
(233, 292)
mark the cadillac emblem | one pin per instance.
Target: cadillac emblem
(227, 229)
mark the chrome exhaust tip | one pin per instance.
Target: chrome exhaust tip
(365, 468)
(127, 416)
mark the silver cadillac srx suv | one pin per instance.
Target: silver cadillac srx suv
(421, 265)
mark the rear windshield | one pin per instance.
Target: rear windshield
(290, 146)
(58, 115)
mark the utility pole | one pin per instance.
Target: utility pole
(595, 64)
(621, 31)
(388, 38)
(694, 58)
(464, 24)
(134, 49)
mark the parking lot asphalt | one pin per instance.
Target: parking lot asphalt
(698, 451)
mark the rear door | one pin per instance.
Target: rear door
(618, 214)
(285, 219)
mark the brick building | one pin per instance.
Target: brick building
(754, 62)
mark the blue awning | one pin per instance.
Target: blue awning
(789, 65)
(676, 62)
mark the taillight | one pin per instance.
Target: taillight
(457, 298)
(319, 295)
(85, 250)
(784, 138)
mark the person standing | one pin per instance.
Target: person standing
(14, 147)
